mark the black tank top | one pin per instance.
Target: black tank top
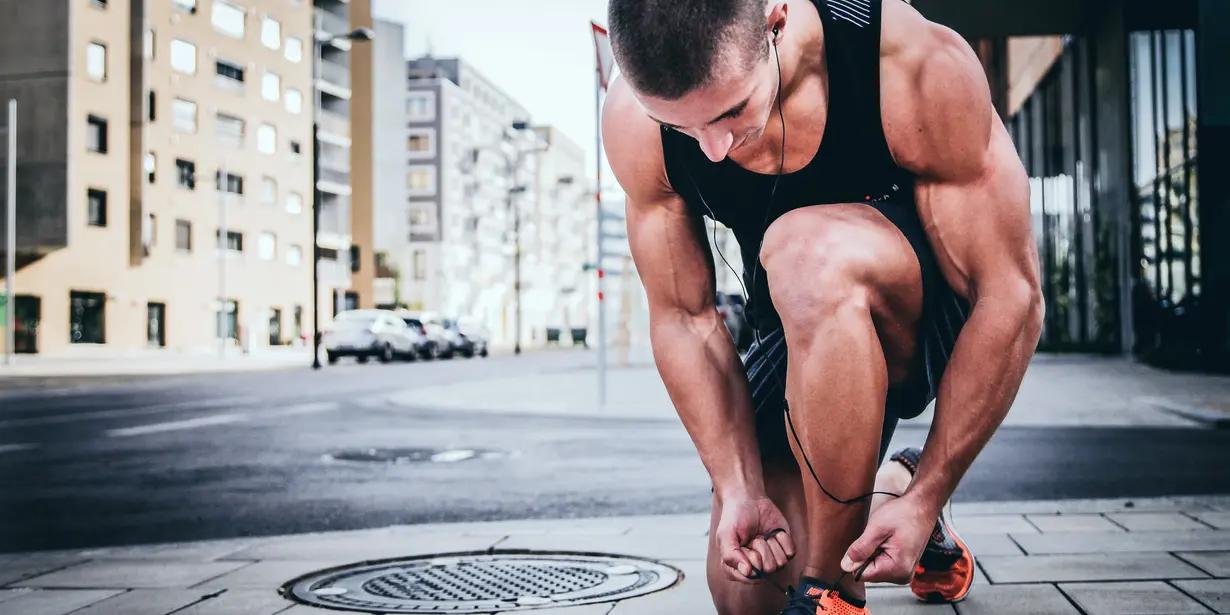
(852, 165)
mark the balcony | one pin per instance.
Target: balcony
(330, 24)
(334, 73)
(333, 123)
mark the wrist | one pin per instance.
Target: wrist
(926, 497)
(739, 490)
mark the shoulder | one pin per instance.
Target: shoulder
(633, 144)
(936, 103)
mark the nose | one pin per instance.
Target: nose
(716, 144)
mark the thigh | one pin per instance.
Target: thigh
(782, 482)
(814, 251)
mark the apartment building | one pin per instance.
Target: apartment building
(164, 171)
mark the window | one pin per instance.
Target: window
(183, 56)
(294, 101)
(230, 74)
(269, 190)
(96, 61)
(183, 115)
(151, 167)
(229, 130)
(184, 5)
(295, 148)
(294, 202)
(266, 139)
(96, 201)
(149, 233)
(421, 143)
(271, 86)
(183, 235)
(294, 256)
(227, 19)
(151, 106)
(267, 246)
(96, 134)
(185, 174)
(293, 50)
(421, 106)
(229, 182)
(271, 33)
(234, 240)
(156, 324)
(85, 317)
(102, 4)
(420, 264)
(421, 180)
(227, 320)
(298, 319)
(148, 44)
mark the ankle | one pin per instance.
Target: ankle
(843, 584)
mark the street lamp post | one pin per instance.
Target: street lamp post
(359, 35)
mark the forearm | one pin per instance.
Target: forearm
(979, 385)
(702, 373)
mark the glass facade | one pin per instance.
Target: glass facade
(1055, 133)
(1167, 270)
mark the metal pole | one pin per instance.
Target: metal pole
(598, 207)
(516, 214)
(10, 241)
(224, 246)
(315, 245)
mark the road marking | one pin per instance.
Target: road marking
(52, 419)
(12, 448)
(205, 421)
(312, 408)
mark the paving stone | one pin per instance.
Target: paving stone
(144, 602)
(134, 574)
(657, 546)
(9, 594)
(1086, 567)
(1154, 522)
(56, 601)
(1149, 598)
(991, 544)
(1219, 520)
(1097, 506)
(900, 601)
(1073, 523)
(268, 574)
(992, 524)
(1123, 542)
(302, 609)
(361, 548)
(183, 551)
(1015, 600)
(1213, 593)
(241, 602)
(690, 595)
(15, 567)
(1216, 563)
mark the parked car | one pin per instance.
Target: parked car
(731, 308)
(467, 338)
(368, 333)
(437, 344)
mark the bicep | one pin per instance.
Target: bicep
(668, 246)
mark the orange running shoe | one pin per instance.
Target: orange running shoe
(814, 597)
(945, 572)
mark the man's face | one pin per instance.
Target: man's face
(727, 113)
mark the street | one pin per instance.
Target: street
(254, 454)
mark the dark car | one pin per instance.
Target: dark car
(467, 339)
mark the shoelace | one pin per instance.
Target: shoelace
(799, 604)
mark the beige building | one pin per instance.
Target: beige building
(165, 163)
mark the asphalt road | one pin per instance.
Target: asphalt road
(94, 463)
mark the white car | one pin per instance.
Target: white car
(369, 333)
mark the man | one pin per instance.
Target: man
(883, 218)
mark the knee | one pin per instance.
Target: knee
(816, 272)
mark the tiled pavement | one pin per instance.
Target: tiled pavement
(1166, 555)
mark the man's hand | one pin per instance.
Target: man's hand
(742, 542)
(893, 541)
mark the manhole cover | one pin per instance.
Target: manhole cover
(481, 583)
(413, 455)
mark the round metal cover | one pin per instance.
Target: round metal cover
(398, 456)
(481, 582)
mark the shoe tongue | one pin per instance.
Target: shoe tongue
(813, 588)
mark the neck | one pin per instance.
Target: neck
(801, 50)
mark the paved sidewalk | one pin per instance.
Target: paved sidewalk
(1059, 390)
(1164, 555)
(105, 362)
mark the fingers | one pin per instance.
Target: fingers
(863, 548)
(884, 569)
(784, 541)
(738, 567)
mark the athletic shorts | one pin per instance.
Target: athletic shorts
(944, 313)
